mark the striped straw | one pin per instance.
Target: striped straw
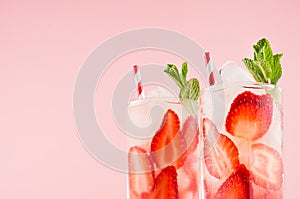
(210, 69)
(138, 82)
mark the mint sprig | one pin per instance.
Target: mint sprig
(189, 89)
(265, 67)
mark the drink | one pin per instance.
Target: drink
(242, 155)
(241, 133)
(164, 164)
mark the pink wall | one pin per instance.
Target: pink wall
(42, 47)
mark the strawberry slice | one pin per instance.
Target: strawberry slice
(267, 167)
(221, 156)
(141, 171)
(168, 144)
(260, 192)
(236, 186)
(165, 186)
(250, 115)
(190, 133)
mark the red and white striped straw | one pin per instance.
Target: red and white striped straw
(210, 69)
(138, 82)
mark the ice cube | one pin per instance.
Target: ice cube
(232, 72)
(140, 111)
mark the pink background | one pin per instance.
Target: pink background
(42, 47)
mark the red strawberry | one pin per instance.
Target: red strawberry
(267, 167)
(250, 115)
(165, 186)
(141, 171)
(260, 192)
(220, 153)
(190, 133)
(236, 186)
(168, 144)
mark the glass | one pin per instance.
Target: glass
(241, 133)
(163, 149)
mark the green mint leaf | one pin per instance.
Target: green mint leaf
(191, 90)
(188, 89)
(184, 71)
(258, 51)
(254, 69)
(265, 67)
(262, 50)
(173, 73)
(276, 69)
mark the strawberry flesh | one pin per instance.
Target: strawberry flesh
(141, 171)
(190, 134)
(267, 167)
(237, 186)
(165, 186)
(168, 143)
(250, 115)
(220, 153)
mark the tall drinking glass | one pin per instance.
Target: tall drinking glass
(241, 129)
(163, 148)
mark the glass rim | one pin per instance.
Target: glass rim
(245, 84)
(166, 99)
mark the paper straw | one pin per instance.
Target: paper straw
(138, 82)
(213, 77)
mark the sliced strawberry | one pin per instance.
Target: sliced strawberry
(220, 154)
(168, 144)
(141, 171)
(165, 186)
(260, 192)
(190, 133)
(236, 186)
(267, 167)
(250, 115)
(188, 182)
(207, 189)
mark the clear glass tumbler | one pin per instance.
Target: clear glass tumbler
(163, 149)
(241, 132)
